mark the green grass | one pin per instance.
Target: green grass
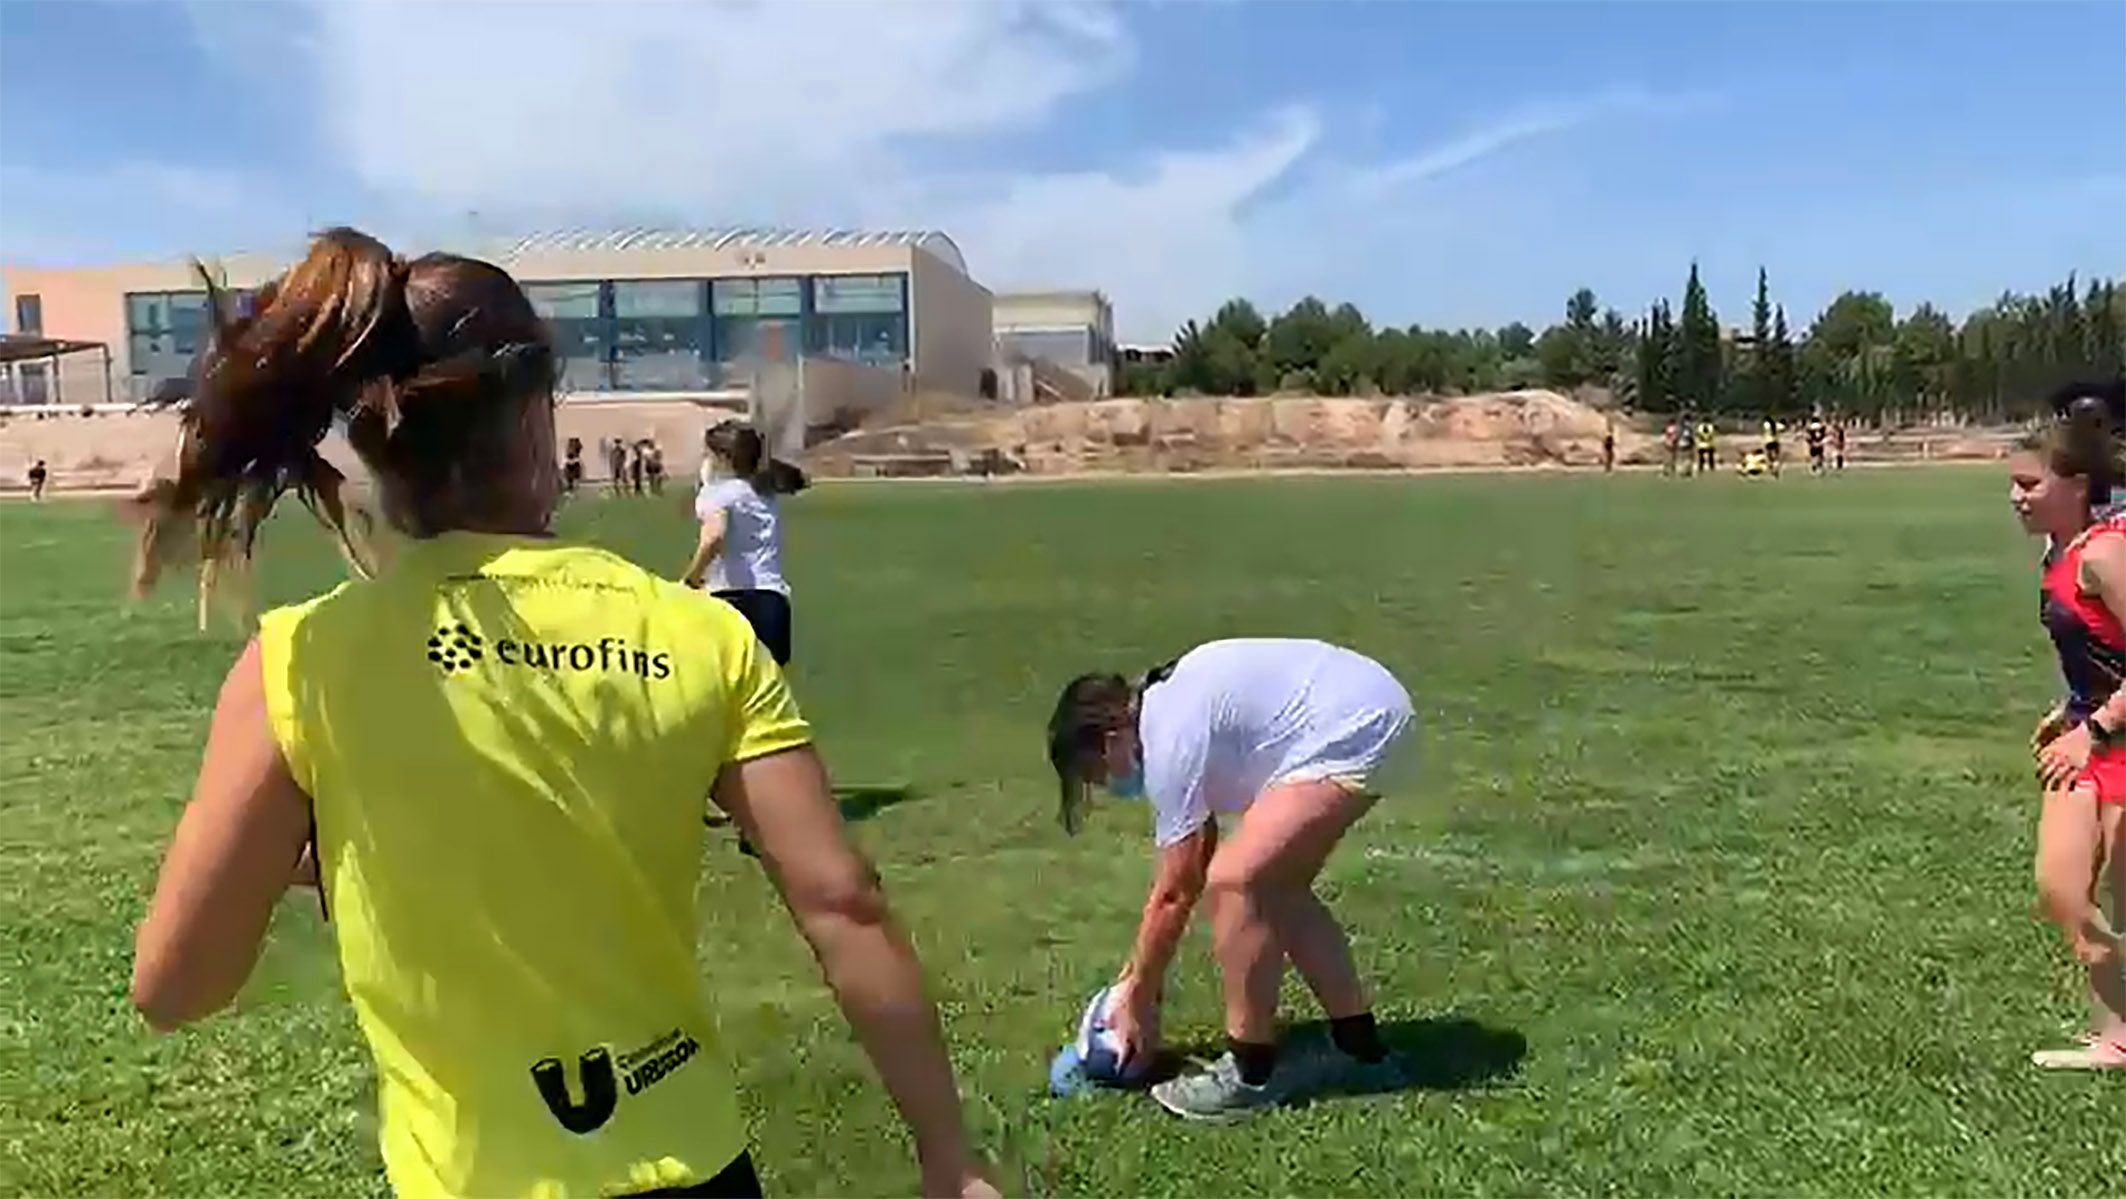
(1726, 816)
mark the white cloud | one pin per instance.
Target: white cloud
(1505, 132)
(879, 113)
(732, 110)
(1167, 239)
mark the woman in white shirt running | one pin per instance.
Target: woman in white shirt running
(738, 557)
(1286, 736)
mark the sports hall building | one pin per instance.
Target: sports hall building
(635, 312)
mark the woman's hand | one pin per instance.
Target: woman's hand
(2054, 723)
(2064, 757)
(1134, 1019)
(692, 577)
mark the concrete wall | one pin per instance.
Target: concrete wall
(840, 394)
(950, 328)
(795, 404)
(1056, 310)
(1063, 311)
(123, 449)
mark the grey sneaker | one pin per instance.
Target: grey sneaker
(1215, 1094)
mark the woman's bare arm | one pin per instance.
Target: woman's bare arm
(782, 804)
(234, 852)
(706, 547)
(1177, 883)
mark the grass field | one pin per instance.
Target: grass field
(1718, 881)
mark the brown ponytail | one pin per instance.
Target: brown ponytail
(417, 358)
(741, 447)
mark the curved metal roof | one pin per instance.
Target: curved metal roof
(725, 237)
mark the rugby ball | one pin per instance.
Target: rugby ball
(1099, 1049)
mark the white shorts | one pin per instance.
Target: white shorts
(1370, 759)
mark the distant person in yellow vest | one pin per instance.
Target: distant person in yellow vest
(500, 746)
(1708, 447)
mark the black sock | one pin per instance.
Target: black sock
(1256, 1061)
(1358, 1036)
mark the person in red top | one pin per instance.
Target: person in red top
(2061, 478)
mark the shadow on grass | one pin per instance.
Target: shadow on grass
(1447, 1053)
(856, 803)
(862, 803)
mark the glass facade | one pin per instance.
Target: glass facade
(164, 329)
(680, 334)
(758, 318)
(583, 337)
(660, 335)
(617, 334)
(863, 318)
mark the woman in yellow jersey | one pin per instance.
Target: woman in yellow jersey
(500, 744)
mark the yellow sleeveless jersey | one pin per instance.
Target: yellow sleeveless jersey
(508, 743)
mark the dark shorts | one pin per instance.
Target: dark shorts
(769, 614)
(735, 1181)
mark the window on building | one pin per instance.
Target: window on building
(859, 317)
(758, 297)
(34, 388)
(660, 334)
(164, 331)
(29, 313)
(858, 293)
(583, 336)
(757, 318)
(1064, 347)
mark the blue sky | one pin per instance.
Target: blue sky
(1438, 163)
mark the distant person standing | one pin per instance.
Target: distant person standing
(572, 466)
(1672, 447)
(738, 557)
(616, 462)
(1609, 446)
(1687, 441)
(39, 476)
(635, 467)
(1771, 446)
(1816, 433)
(653, 465)
(1708, 446)
(1838, 440)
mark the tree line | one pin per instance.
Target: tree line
(1856, 357)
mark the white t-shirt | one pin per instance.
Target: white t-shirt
(751, 557)
(1236, 717)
